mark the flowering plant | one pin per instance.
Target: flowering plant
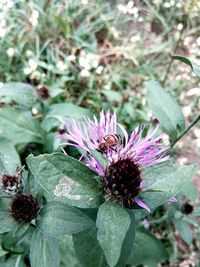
(96, 164)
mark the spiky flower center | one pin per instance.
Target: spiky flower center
(24, 208)
(122, 181)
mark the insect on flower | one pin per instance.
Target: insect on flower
(122, 178)
(109, 141)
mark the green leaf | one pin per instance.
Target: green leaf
(69, 259)
(113, 223)
(13, 261)
(190, 191)
(58, 113)
(165, 109)
(70, 180)
(44, 251)
(128, 241)
(147, 250)
(64, 25)
(113, 96)
(184, 60)
(59, 219)
(88, 250)
(166, 180)
(184, 230)
(20, 127)
(20, 93)
(9, 158)
(7, 223)
(20, 229)
(195, 68)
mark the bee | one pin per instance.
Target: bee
(109, 141)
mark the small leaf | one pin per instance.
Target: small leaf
(7, 223)
(20, 229)
(9, 158)
(190, 191)
(58, 113)
(113, 96)
(58, 219)
(195, 68)
(165, 109)
(20, 127)
(184, 230)
(66, 179)
(88, 250)
(20, 93)
(168, 180)
(44, 251)
(147, 250)
(113, 223)
(184, 60)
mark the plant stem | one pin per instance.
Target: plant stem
(174, 52)
(160, 220)
(186, 130)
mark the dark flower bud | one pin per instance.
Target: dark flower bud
(61, 131)
(43, 92)
(187, 208)
(24, 208)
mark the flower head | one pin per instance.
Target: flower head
(24, 208)
(122, 177)
(11, 184)
(89, 134)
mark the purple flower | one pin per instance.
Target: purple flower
(90, 134)
(126, 157)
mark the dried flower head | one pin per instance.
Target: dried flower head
(43, 92)
(122, 178)
(12, 184)
(24, 208)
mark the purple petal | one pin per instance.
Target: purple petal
(172, 199)
(142, 204)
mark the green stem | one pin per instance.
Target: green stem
(186, 130)
(174, 52)
(160, 220)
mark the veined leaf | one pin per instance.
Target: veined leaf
(165, 109)
(113, 223)
(58, 219)
(9, 158)
(66, 179)
(20, 127)
(20, 93)
(147, 250)
(168, 180)
(44, 251)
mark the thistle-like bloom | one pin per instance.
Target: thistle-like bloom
(126, 158)
(89, 134)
